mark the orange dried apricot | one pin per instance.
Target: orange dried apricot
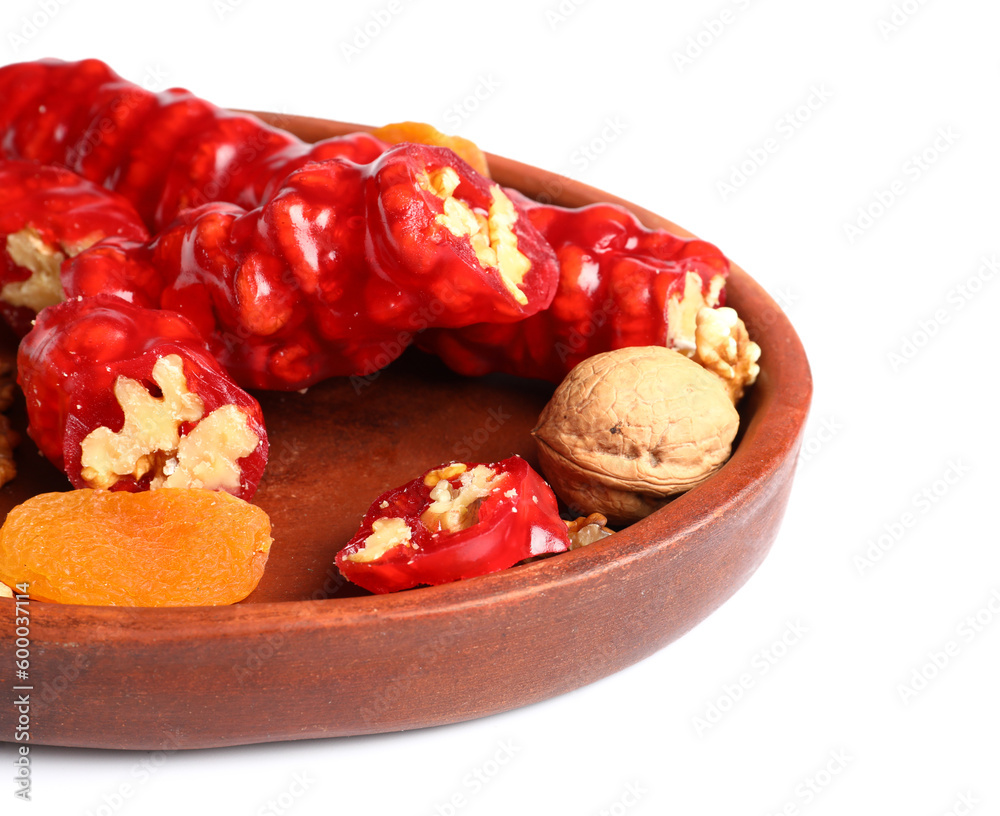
(422, 133)
(166, 547)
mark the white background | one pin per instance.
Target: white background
(659, 103)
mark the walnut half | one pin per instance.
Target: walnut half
(628, 429)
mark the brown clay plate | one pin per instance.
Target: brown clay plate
(308, 656)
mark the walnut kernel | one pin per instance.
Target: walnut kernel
(723, 346)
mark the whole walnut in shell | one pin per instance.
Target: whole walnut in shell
(628, 429)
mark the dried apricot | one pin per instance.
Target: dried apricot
(166, 547)
(423, 133)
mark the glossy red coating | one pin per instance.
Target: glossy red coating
(69, 362)
(60, 210)
(163, 151)
(518, 519)
(333, 275)
(616, 278)
(438, 270)
(114, 266)
(283, 291)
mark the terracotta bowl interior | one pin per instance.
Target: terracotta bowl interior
(333, 450)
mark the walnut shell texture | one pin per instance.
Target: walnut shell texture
(629, 428)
